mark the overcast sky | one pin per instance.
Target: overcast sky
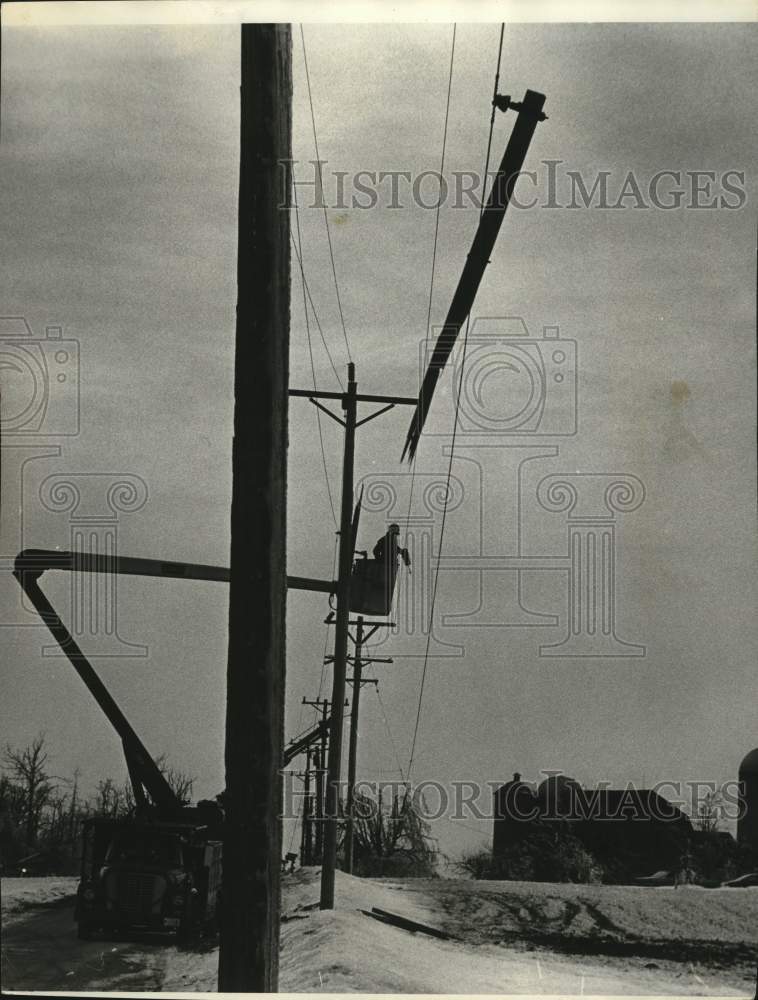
(119, 183)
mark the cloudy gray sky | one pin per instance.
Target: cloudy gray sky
(119, 175)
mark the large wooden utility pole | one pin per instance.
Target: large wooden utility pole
(249, 945)
(334, 761)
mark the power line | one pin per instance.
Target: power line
(492, 116)
(389, 732)
(323, 203)
(315, 314)
(434, 253)
(310, 352)
(442, 169)
(455, 429)
(447, 487)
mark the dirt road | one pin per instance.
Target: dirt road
(42, 952)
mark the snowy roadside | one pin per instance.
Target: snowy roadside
(347, 951)
(497, 944)
(19, 895)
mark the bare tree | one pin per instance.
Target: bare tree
(55, 822)
(709, 812)
(393, 834)
(127, 793)
(109, 799)
(181, 784)
(27, 769)
(73, 805)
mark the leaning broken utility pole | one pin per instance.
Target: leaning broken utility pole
(529, 113)
(249, 940)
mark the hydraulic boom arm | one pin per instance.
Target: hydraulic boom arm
(144, 773)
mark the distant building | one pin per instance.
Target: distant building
(747, 825)
(515, 805)
(630, 831)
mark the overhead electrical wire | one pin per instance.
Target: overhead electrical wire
(460, 306)
(455, 428)
(321, 191)
(315, 314)
(310, 352)
(442, 170)
(434, 254)
(389, 733)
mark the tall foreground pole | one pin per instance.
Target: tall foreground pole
(249, 944)
(329, 864)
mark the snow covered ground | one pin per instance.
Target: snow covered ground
(347, 951)
(506, 938)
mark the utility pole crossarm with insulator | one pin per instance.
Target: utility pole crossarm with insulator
(348, 525)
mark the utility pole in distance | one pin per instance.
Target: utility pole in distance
(353, 746)
(349, 400)
(306, 832)
(249, 931)
(319, 763)
(357, 680)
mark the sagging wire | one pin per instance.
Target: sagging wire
(455, 429)
(321, 190)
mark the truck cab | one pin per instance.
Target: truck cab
(147, 875)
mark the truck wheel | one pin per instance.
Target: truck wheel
(83, 930)
(187, 931)
(211, 925)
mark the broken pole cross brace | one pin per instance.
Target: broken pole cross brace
(406, 923)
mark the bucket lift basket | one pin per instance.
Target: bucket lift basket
(372, 586)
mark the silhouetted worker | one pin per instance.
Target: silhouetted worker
(387, 548)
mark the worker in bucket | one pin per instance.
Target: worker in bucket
(387, 548)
